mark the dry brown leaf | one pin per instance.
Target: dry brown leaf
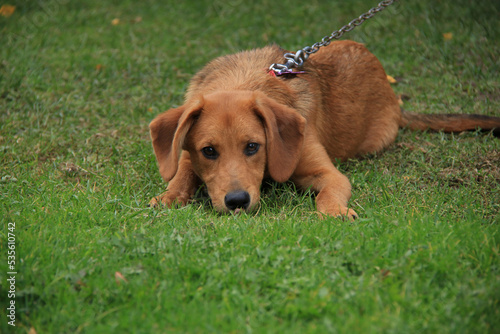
(119, 277)
(402, 98)
(7, 10)
(391, 79)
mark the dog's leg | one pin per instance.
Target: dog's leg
(182, 187)
(316, 171)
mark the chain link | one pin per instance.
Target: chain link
(298, 58)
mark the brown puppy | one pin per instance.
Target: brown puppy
(240, 124)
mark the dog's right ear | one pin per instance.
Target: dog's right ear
(168, 132)
(285, 129)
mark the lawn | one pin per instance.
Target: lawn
(81, 80)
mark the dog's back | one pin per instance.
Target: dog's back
(360, 112)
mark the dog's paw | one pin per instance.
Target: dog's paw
(168, 199)
(339, 212)
(350, 214)
(153, 203)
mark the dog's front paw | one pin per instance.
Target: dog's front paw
(338, 212)
(350, 214)
(168, 199)
(154, 202)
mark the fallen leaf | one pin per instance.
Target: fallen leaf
(400, 101)
(119, 277)
(391, 79)
(385, 273)
(7, 10)
(447, 36)
(32, 330)
(115, 22)
(402, 98)
(79, 284)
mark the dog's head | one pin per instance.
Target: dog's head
(234, 139)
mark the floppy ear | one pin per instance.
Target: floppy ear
(168, 131)
(285, 135)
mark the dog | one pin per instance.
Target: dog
(240, 124)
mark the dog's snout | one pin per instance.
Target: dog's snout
(237, 200)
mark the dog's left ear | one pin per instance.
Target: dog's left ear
(284, 128)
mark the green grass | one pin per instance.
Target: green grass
(77, 171)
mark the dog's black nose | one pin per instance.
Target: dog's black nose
(239, 199)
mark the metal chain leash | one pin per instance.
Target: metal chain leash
(297, 59)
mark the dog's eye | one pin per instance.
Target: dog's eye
(251, 148)
(209, 152)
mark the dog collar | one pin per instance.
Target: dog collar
(285, 72)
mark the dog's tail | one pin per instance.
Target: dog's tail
(450, 122)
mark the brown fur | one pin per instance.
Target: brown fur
(342, 107)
